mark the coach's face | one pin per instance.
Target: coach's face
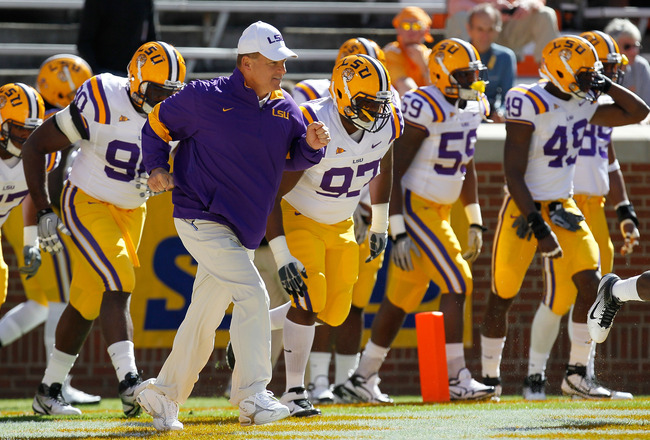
(262, 74)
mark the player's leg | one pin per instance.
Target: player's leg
(511, 256)
(319, 366)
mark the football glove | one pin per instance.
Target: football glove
(290, 270)
(48, 224)
(145, 191)
(474, 242)
(32, 261)
(631, 237)
(523, 228)
(361, 223)
(377, 242)
(565, 219)
(401, 251)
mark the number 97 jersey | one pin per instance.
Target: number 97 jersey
(438, 170)
(108, 128)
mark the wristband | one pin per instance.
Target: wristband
(280, 250)
(30, 236)
(625, 211)
(477, 226)
(614, 166)
(379, 217)
(538, 225)
(473, 213)
(43, 212)
(397, 226)
(608, 84)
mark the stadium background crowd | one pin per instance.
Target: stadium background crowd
(622, 359)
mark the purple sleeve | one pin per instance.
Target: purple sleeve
(155, 151)
(302, 156)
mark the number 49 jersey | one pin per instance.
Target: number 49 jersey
(108, 128)
(330, 191)
(438, 169)
(559, 127)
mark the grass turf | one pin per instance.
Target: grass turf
(408, 418)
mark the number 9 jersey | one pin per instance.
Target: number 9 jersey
(107, 126)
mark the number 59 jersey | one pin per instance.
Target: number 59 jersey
(108, 129)
(329, 191)
(559, 127)
(438, 169)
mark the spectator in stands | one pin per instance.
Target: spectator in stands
(406, 58)
(111, 32)
(637, 73)
(483, 26)
(524, 22)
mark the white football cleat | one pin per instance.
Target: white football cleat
(464, 387)
(535, 387)
(602, 312)
(261, 408)
(359, 389)
(299, 405)
(319, 391)
(163, 410)
(578, 385)
(77, 397)
(49, 401)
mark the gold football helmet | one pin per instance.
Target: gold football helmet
(608, 53)
(360, 45)
(572, 64)
(156, 71)
(455, 67)
(360, 87)
(59, 78)
(21, 111)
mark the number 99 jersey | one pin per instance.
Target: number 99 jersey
(107, 126)
(559, 127)
(438, 169)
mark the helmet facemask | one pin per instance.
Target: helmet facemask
(468, 84)
(14, 134)
(588, 82)
(152, 93)
(369, 113)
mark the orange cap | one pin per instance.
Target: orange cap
(413, 12)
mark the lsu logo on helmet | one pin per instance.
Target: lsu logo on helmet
(360, 87)
(455, 67)
(21, 111)
(59, 78)
(156, 71)
(608, 53)
(364, 46)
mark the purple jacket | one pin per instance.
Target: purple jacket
(231, 153)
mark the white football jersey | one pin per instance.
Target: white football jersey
(311, 89)
(559, 127)
(591, 175)
(14, 186)
(330, 191)
(438, 169)
(110, 152)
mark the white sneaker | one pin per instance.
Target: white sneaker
(261, 408)
(602, 312)
(464, 387)
(319, 391)
(359, 389)
(496, 383)
(163, 410)
(77, 397)
(535, 387)
(298, 403)
(578, 385)
(49, 401)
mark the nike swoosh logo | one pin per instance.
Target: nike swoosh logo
(374, 145)
(297, 213)
(591, 314)
(227, 109)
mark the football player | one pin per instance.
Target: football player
(433, 169)
(47, 291)
(103, 207)
(545, 125)
(312, 224)
(595, 169)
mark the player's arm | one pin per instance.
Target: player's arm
(515, 163)
(31, 253)
(627, 108)
(290, 270)
(628, 221)
(380, 188)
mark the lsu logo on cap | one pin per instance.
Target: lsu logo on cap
(274, 39)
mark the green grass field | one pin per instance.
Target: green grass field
(512, 418)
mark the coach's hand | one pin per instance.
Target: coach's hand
(318, 135)
(160, 180)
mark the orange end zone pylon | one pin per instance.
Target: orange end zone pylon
(432, 357)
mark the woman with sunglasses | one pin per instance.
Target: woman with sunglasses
(406, 58)
(637, 72)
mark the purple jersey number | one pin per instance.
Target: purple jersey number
(446, 152)
(123, 168)
(336, 182)
(557, 147)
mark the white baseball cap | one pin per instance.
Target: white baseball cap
(263, 38)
